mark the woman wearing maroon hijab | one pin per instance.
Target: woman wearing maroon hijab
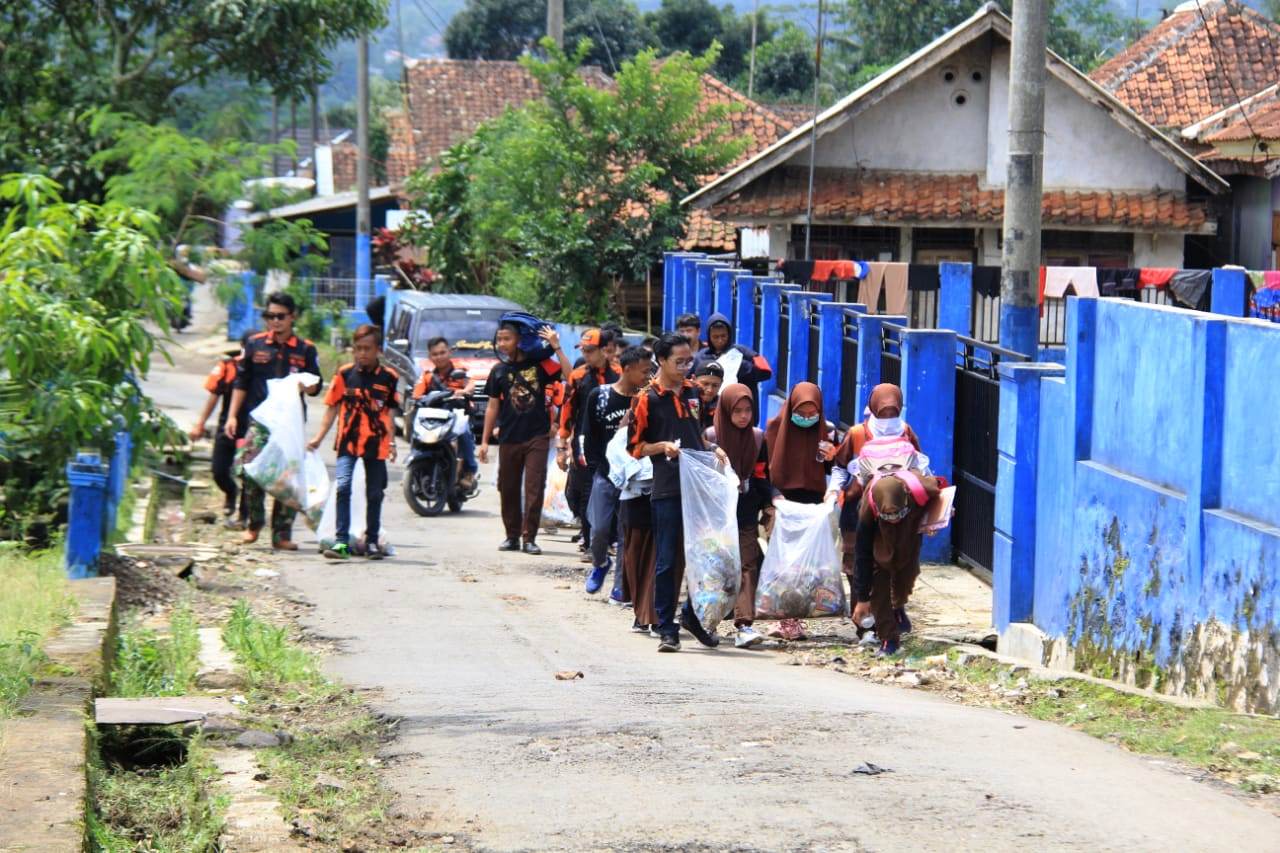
(800, 449)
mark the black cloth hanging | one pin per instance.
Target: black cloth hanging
(922, 277)
(797, 272)
(986, 281)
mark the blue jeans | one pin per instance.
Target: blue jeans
(467, 450)
(375, 483)
(668, 534)
(602, 509)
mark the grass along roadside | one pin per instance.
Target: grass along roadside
(326, 775)
(35, 602)
(1241, 750)
(150, 785)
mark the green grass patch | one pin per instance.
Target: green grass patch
(164, 808)
(266, 652)
(148, 664)
(35, 601)
(334, 734)
(1243, 748)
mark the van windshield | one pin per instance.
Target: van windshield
(469, 331)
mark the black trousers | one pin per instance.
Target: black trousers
(224, 457)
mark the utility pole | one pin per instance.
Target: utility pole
(364, 265)
(555, 22)
(751, 74)
(1024, 181)
(813, 136)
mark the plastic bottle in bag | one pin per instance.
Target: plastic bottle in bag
(709, 510)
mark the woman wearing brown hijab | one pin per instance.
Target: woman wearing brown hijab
(744, 444)
(800, 450)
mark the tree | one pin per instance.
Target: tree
(90, 283)
(575, 192)
(495, 29)
(616, 29)
(784, 66)
(693, 25)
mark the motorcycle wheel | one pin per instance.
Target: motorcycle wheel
(425, 488)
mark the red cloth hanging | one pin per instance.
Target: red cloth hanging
(839, 270)
(1155, 276)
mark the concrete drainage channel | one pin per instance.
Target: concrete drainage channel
(67, 732)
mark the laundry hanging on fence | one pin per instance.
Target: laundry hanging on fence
(892, 277)
(1155, 276)
(797, 271)
(1190, 286)
(1266, 289)
(1084, 280)
(803, 272)
(923, 277)
(986, 281)
(1118, 281)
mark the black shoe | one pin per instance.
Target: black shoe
(509, 545)
(669, 643)
(374, 551)
(693, 626)
(532, 548)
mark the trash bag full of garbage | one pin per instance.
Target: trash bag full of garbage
(709, 509)
(800, 577)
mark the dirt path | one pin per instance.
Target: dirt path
(704, 750)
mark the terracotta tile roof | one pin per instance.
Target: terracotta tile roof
(907, 197)
(1172, 76)
(1263, 122)
(345, 157)
(796, 114)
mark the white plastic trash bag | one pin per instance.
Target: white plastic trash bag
(731, 361)
(326, 532)
(555, 506)
(800, 577)
(315, 477)
(709, 509)
(279, 465)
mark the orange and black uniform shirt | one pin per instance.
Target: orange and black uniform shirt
(222, 382)
(266, 358)
(366, 398)
(582, 381)
(662, 415)
(441, 378)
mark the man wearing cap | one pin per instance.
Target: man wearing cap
(594, 372)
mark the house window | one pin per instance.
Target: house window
(935, 245)
(1086, 249)
(846, 242)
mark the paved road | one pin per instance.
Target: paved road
(704, 750)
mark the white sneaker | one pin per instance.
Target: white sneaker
(869, 639)
(747, 637)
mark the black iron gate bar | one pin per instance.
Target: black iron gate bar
(733, 300)
(975, 448)
(891, 353)
(849, 370)
(784, 339)
(757, 302)
(815, 339)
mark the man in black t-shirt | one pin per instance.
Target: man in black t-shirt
(517, 391)
(605, 408)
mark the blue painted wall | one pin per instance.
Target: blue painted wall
(1155, 500)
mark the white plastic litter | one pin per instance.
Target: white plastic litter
(709, 509)
(555, 506)
(731, 361)
(282, 467)
(800, 577)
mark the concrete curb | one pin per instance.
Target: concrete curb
(43, 781)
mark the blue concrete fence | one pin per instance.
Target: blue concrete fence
(1139, 500)
(97, 489)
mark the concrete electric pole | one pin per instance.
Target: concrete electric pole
(364, 265)
(555, 22)
(1024, 181)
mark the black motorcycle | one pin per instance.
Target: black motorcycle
(433, 473)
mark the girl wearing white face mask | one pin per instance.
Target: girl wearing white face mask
(884, 420)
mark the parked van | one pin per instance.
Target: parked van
(467, 321)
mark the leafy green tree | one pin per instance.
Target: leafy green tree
(693, 25)
(784, 66)
(495, 29)
(90, 283)
(616, 29)
(575, 192)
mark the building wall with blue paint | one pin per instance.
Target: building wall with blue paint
(1154, 503)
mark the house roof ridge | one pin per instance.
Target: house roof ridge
(1126, 66)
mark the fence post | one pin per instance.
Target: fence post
(798, 367)
(668, 264)
(1082, 347)
(869, 326)
(688, 287)
(955, 297)
(929, 397)
(1207, 400)
(1014, 543)
(744, 322)
(702, 296)
(770, 345)
(88, 479)
(722, 292)
(121, 459)
(1229, 293)
(830, 368)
